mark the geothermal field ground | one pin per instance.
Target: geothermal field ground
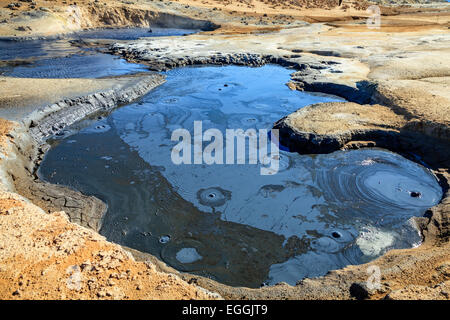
(224, 149)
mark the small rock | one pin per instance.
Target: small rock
(359, 291)
(22, 28)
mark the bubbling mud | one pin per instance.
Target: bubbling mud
(228, 222)
(367, 195)
(213, 197)
(365, 177)
(58, 58)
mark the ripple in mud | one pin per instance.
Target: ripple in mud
(317, 213)
(379, 180)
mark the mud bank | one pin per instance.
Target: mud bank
(49, 120)
(52, 18)
(125, 16)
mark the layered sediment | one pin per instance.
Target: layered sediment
(50, 120)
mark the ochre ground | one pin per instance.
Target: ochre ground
(61, 16)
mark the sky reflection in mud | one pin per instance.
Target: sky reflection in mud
(318, 213)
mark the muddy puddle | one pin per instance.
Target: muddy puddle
(227, 221)
(58, 58)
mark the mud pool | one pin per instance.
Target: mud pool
(228, 222)
(58, 58)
